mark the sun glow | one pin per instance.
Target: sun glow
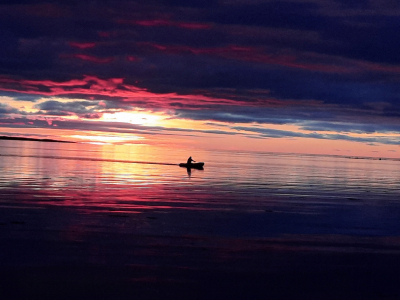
(133, 117)
(107, 139)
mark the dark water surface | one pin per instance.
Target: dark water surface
(311, 194)
(90, 222)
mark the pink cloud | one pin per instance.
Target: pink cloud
(94, 59)
(49, 83)
(150, 22)
(89, 58)
(91, 87)
(104, 34)
(110, 34)
(163, 22)
(131, 58)
(195, 25)
(16, 123)
(82, 45)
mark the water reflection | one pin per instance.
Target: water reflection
(110, 177)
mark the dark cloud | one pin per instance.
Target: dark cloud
(238, 115)
(86, 109)
(351, 127)
(280, 14)
(326, 65)
(274, 133)
(21, 97)
(108, 127)
(6, 109)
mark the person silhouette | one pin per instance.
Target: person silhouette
(189, 161)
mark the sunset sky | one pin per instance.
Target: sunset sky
(309, 76)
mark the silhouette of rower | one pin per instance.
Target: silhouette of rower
(189, 161)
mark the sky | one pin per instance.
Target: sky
(306, 76)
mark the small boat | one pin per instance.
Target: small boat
(198, 165)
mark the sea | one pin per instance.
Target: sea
(85, 221)
(240, 194)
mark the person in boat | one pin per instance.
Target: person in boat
(189, 161)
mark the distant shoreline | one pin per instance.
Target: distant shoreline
(32, 139)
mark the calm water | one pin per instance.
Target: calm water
(300, 193)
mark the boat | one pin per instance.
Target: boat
(198, 165)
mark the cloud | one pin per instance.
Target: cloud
(86, 109)
(113, 88)
(274, 133)
(93, 59)
(234, 106)
(165, 22)
(82, 45)
(239, 116)
(323, 65)
(5, 109)
(351, 127)
(106, 127)
(310, 61)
